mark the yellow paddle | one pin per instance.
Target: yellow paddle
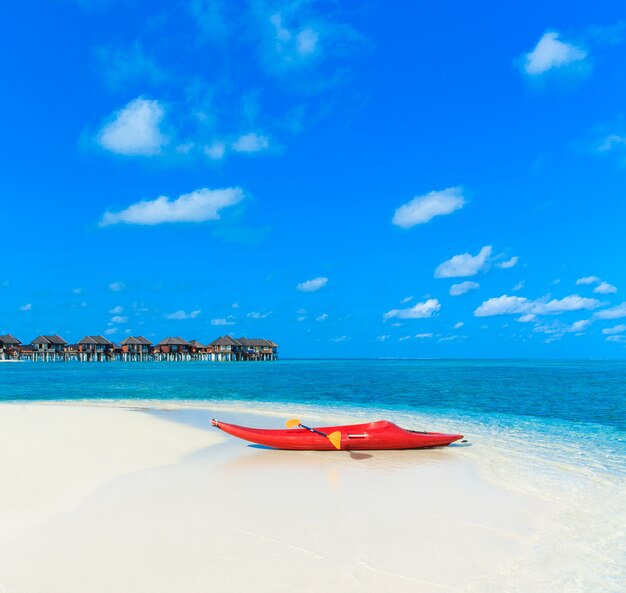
(333, 437)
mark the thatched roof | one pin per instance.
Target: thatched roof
(173, 340)
(100, 340)
(54, 339)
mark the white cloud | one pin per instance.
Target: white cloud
(223, 321)
(236, 305)
(527, 318)
(559, 329)
(422, 209)
(464, 264)
(180, 315)
(588, 280)
(383, 338)
(110, 331)
(306, 41)
(519, 285)
(198, 206)
(509, 263)
(551, 53)
(290, 45)
(463, 287)
(119, 319)
(406, 300)
(116, 310)
(616, 329)
(251, 143)
(613, 312)
(135, 129)
(423, 336)
(514, 305)
(312, 285)
(339, 339)
(458, 325)
(610, 142)
(258, 315)
(418, 311)
(26, 307)
(322, 317)
(215, 151)
(301, 318)
(605, 288)
(617, 339)
(117, 286)
(404, 338)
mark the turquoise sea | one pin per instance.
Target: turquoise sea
(580, 401)
(554, 430)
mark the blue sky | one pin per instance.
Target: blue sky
(348, 180)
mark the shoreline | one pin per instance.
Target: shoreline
(463, 518)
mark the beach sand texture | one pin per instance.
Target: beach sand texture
(102, 499)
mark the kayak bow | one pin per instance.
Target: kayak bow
(354, 437)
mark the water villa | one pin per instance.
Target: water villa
(53, 348)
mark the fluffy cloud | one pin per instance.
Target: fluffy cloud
(422, 209)
(26, 307)
(551, 53)
(180, 315)
(559, 329)
(605, 288)
(418, 311)
(463, 287)
(406, 300)
(251, 143)
(588, 280)
(117, 286)
(322, 317)
(509, 263)
(616, 329)
(197, 206)
(223, 321)
(135, 129)
(458, 325)
(423, 336)
(116, 310)
(312, 285)
(464, 264)
(613, 312)
(383, 338)
(258, 315)
(119, 319)
(514, 305)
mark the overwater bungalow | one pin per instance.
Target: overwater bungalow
(135, 348)
(226, 348)
(47, 348)
(95, 348)
(172, 348)
(9, 347)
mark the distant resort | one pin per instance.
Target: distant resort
(54, 348)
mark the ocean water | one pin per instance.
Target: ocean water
(555, 430)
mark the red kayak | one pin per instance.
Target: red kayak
(353, 437)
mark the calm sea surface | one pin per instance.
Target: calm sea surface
(578, 392)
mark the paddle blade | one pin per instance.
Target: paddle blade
(335, 439)
(293, 422)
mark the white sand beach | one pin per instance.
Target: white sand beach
(103, 499)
